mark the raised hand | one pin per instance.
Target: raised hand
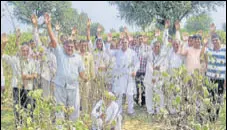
(212, 28)
(18, 33)
(121, 35)
(47, 18)
(4, 38)
(34, 20)
(109, 37)
(167, 23)
(157, 33)
(74, 30)
(99, 29)
(177, 25)
(57, 26)
(185, 36)
(88, 22)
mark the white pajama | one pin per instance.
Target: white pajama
(126, 63)
(112, 114)
(68, 98)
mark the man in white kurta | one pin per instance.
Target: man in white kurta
(102, 64)
(46, 64)
(24, 72)
(155, 66)
(100, 115)
(125, 69)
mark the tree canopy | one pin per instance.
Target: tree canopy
(61, 12)
(199, 22)
(143, 13)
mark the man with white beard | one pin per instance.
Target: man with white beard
(127, 64)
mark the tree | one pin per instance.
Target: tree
(112, 30)
(143, 13)
(94, 27)
(121, 29)
(199, 22)
(60, 11)
(224, 26)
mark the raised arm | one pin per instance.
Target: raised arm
(35, 30)
(50, 31)
(89, 29)
(4, 41)
(166, 32)
(177, 27)
(126, 33)
(18, 35)
(73, 33)
(99, 29)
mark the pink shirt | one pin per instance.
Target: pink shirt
(192, 59)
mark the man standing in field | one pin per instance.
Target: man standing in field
(69, 67)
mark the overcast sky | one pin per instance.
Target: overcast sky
(102, 12)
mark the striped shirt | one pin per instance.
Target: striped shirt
(216, 63)
(142, 53)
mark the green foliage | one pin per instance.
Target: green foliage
(121, 29)
(94, 27)
(61, 11)
(199, 22)
(113, 30)
(143, 13)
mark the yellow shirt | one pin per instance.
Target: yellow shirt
(89, 65)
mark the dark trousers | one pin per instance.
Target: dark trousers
(216, 91)
(139, 83)
(21, 98)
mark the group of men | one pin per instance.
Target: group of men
(77, 73)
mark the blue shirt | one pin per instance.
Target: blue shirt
(216, 63)
(68, 68)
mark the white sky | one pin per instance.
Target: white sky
(105, 14)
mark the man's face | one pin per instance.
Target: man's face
(124, 44)
(156, 48)
(77, 46)
(140, 40)
(113, 45)
(197, 43)
(25, 51)
(216, 42)
(135, 41)
(190, 42)
(69, 48)
(175, 45)
(99, 44)
(83, 47)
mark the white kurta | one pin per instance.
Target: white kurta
(126, 63)
(154, 88)
(28, 67)
(112, 114)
